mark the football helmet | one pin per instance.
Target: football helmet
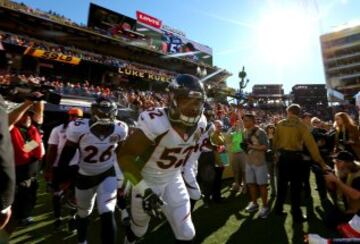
(103, 111)
(187, 97)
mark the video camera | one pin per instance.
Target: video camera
(19, 92)
(245, 146)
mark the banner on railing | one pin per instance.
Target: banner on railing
(38, 53)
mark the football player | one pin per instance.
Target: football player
(153, 156)
(190, 169)
(96, 138)
(171, 43)
(56, 144)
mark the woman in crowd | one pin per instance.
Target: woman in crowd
(347, 135)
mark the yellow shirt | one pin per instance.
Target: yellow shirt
(291, 134)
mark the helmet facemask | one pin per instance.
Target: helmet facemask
(186, 109)
(103, 113)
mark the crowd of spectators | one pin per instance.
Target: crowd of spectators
(228, 121)
(68, 51)
(53, 16)
(50, 15)
(142, 100)
(26, 42)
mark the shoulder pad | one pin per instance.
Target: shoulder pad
(76, 129)
(121, 128)
(202, 124)
(153, 122)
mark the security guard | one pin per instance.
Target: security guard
(290, 136)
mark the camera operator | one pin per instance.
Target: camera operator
(28, 149)
(321, 138)
(7, 168)
(349, 188)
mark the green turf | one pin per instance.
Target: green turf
(221, 223)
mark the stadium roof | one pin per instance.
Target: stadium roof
(25, 23)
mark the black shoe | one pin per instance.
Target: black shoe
(57, 224)
(279, 212)
(72, 224)
(218, 200)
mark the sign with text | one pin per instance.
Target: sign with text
(145, 73)
(38, 53)
(148, 20)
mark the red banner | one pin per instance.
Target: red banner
(148, 20)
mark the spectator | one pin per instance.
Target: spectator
(256, 173)
(217, 140)
(307, 162)
(28, 149)
(236, 155)
(349, 188)
(270, 131)
(347, 134)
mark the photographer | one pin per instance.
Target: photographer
(350, 188)
(7, 169)
(321, 138)
(256, 174)
(28, 150)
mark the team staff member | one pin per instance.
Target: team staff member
(56, 144)
(28, 150)
(290, 136)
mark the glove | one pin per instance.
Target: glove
(152, 204)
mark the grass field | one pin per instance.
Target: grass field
(221, 223)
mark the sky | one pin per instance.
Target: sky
(278, 41)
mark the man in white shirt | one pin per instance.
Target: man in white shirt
(56, 144)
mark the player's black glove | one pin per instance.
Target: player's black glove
(152, 204)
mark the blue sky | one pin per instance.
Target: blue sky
(241, 32)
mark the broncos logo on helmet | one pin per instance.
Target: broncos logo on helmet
(187, 97)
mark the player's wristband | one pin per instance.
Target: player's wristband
(141, 187)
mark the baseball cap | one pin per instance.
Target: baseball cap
(344, 156)
(76, 112)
